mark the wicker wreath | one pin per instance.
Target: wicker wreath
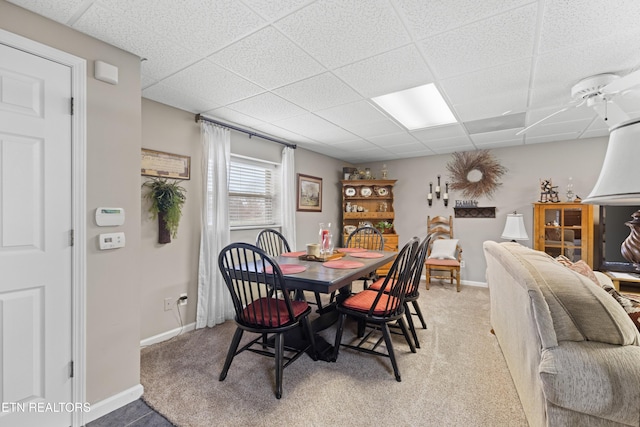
(479, 162)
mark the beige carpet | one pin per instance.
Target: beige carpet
(458, 377)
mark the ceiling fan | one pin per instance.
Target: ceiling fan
(597, 92)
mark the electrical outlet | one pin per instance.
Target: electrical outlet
(182, 300)
(461, 263)
(167, 304)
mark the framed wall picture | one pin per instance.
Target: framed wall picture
(165, 165)
(309, 193)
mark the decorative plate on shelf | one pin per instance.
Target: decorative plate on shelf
(366, 191)
(349, 191)
(382, 191)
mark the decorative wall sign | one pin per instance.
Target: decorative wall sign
(165, 165)
(476, 173)
(477, 212)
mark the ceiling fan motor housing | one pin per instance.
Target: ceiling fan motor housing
(589, 87)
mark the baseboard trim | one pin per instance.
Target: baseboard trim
(168, 335)
(114, 402)
(465, 282)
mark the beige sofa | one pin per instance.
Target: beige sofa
(572, 351)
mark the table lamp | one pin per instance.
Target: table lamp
(514, 228)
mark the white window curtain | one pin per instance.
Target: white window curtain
(289, 196)
(214, 301)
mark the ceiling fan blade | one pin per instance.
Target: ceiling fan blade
(543, 119)
(623, 83)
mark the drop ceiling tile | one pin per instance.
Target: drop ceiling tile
(278, 132)
(340, 32)
(229, 115)
(399, 69)
(315, 128)
(426, 18)
(549, 138)
(573, 113)
(594, 133)
(393, 139)
(498, 136)
(568, 23)
(177, 98)
(459, 141)
(267, 107)
(440, 132)
(355, 113)
(414, 148)
(355, 146)
(318, 92)
(163, 57)
(510, 79)
(199, 25)
(499, 144)
(576, 127)
(453, 149)
(271, 10)
(59, 10)
(267, 58)
(370, 130)
(492, 106)
(500, 39)
(203, 80)
(146, 81)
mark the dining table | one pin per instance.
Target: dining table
(325, 278)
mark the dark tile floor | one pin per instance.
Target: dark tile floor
(135, 414)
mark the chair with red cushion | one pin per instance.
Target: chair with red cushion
(413, 291)
(380, 307)
(263, 306)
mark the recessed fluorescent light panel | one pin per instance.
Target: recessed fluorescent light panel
(417, 108)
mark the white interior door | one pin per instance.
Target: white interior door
(35, 243)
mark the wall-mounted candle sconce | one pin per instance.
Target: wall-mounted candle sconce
(438, 188)
(430, 195)
(445, 196)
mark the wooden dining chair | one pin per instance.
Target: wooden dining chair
(379, 308)
(417, 266)
(275, 244)
(250, 275)
(367, 238)
(445, 259)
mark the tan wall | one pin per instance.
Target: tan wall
(113, 169)
(527, 164)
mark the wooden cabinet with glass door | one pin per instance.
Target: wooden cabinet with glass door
(370, 202)
(564, 229)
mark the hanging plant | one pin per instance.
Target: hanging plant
(167, 198)
(476, 173)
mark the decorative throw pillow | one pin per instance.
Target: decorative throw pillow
(444, 249)
(630, 303)
(579, 267)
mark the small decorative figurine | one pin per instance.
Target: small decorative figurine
(548, 192)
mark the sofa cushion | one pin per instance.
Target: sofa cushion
(593, 378)
(581, 310)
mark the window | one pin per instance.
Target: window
(253, 189)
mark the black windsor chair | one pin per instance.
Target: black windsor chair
(380, 307)
(263, 306)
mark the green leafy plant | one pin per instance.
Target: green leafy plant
(167, 199)
(383, 226)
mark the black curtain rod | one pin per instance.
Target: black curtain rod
(268, 138)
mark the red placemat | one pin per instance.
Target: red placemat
(367, 255)
(350, 250)
(294, 254)
(343, 264)
(287, 268)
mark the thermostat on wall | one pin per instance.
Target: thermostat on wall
(111, 241)
(109, 216)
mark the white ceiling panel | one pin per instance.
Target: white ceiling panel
(259, 58)
(203, 80)
(504, 38)
(339, 32)
(305, 70)
(318, 92)
(399, 69)
(199, 25)
(427, 18)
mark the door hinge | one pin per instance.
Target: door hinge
(71, 369)
(71, 238)
(72, 106)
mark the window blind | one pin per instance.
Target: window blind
(253, 189)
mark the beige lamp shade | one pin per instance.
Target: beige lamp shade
(619, 180)
(514, 228)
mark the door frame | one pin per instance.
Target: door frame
(78, 68)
